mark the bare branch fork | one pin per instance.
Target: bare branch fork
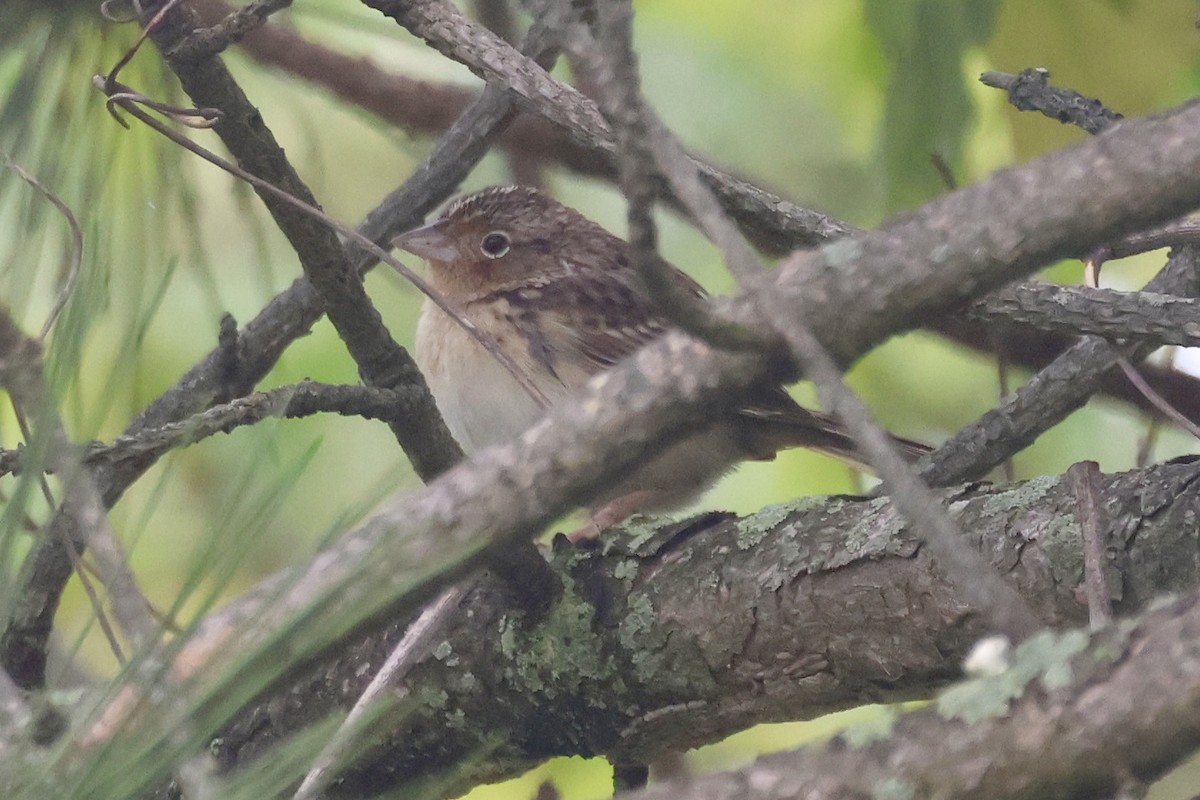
(1074, 376)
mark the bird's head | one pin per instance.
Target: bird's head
(504, 236)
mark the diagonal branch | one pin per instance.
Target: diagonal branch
(852, 294)
(430, 108)
(773, 223)
(381, 361)
(1075, 375)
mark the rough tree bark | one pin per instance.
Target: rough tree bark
(671, 637)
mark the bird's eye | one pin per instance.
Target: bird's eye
(495, 244)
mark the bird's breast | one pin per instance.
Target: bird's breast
(479, 398)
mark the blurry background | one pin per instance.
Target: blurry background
(834, 104)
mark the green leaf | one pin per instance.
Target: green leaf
(927, 111)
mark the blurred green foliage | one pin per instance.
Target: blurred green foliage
(833, 103)
(924, 43)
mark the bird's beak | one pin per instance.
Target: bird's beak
(431, 243)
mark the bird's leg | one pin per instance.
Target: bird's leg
(613, 511)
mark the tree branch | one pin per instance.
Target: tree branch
(1030, 90)
(1130, 316)
(825, 604)
(1052, 394)
(1074, 716)
(299, 400)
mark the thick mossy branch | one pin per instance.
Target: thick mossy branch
(671, 636)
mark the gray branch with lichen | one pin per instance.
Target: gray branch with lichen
(671, 636)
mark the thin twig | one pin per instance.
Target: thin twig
(132, 50)
(609, 64)
(1092, 280)
(1148, 439)
(1004, 386)
(212, 40)
(292, 401)
(944, 171)
(192, 117)
(1084, 477)
(129, 102)
(89, 589)
(77, 562)
(1174, 234)
(404, 656)
(69, 271)
(1156, 399)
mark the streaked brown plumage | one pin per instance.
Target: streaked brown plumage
(558, 294)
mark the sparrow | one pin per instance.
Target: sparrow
(560, 297)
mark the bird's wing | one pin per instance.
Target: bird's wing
(580, 320)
